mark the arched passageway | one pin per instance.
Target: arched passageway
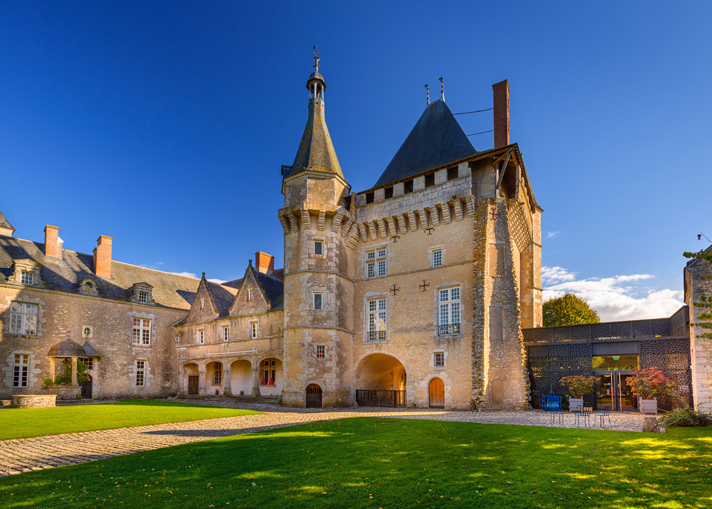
(380, 380)
(271, 379)
(214, 384)
(241, 378)
(313, 396)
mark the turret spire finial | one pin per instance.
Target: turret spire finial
(427, 87)
(442, 89)
(316, 59)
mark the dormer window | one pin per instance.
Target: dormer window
(142, 293)
(87, 286)
(249, 294)
(28, 278)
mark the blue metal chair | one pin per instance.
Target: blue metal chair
(602, 412)
(581, 412)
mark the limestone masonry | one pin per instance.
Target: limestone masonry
(415, 292)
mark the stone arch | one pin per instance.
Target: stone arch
(214, 377)
(241, 376)
(190, 369)
(270, 375)
(262, 357)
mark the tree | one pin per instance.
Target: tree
(569, 309)
(705, 318)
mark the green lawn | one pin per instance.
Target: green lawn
(391, 463)
(36, 422)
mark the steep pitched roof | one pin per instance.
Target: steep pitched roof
(4, 223)
(435, 140)
(272, 288)
(169, 290)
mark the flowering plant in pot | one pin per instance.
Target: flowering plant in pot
(649, 383)
(578, 387)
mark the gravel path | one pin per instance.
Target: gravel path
(23, 455)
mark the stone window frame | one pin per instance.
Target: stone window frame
(320, 351)
(368, 298)
(27, 277)
(25, 300)
(33, 371)
(431, 256)
(26, 265)
(142, 293)
(226, 332)
(22, 314)
(140, 369)
(253, 329)
(217, 373)
(17, 374)
(321, 301)
(202, 303)
(143, 327)
(90, 329)
(152, 328)
(88, 362)
(200, 336)
(443, 354)
(436, 310)
(376, 260)
(87, 286)
(323, 247)
(250, 293)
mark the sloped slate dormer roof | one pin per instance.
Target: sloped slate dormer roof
(435, 140)
(4, 223)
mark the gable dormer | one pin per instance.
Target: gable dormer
(26, 272)
(87, 286)
(251, 298)
(142, 293)
(203, 308)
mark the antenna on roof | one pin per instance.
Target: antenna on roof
(442, 90)
(427, 87)
(316, 59)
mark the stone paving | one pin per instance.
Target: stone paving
(23, 455)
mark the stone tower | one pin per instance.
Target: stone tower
(318, 292)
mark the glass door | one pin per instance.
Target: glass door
(605, 391)
(626, 398)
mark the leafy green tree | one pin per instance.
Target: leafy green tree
(705, 318)
(569, 309)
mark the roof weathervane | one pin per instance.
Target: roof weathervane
(427, 87)
(316, 59)
(442, 89)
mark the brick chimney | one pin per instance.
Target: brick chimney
(102, 256)
(264, 262)
(53, 244)
(501, 113)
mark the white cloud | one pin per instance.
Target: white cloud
(186, 274)
(218, 281)
(551, 235)
(553, 275)
(611, 298)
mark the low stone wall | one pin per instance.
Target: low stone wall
(34, 401)
(68, 391)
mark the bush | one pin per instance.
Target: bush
(578, 385)
(686, 417)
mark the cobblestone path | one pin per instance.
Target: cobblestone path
(23, 455)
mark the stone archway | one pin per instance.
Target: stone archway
(214, 378)
(380, 380)
(241, 378)
(191, 379)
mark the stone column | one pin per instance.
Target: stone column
(227, 381)
(74, 370)
(51, 368)
(201, 383)
(256, 383)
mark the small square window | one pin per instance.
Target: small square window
(408, 187)
(369, 197)
(439, 359)
(437, 257)
(381, 253)
(318, 247)
(143, 297)
(318, 301)
(388, 193)
(28, 278)
(320, 351)
(430, 180)
(452, 173)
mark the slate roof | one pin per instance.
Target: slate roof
(4, 223)
(222, 298)
(90, 350)
(67, 348)
(435, 140)
(272, 286)
(169, 290)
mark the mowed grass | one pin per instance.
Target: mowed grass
(36, 422)
(392, 463)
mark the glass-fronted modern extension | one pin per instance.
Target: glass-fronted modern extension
(611, 352)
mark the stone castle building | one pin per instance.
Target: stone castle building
(414, 292)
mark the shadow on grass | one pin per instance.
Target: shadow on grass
(368, 462)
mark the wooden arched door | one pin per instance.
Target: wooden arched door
(313, 396)
(437, 393)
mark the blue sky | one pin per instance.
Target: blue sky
(164, 124)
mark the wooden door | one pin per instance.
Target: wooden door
(86, 388)
(313, 396)
(193, 384)
(437, 393)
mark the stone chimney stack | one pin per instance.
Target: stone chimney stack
(53, 244)
(264, 262)
(102, 257)
(501, 113)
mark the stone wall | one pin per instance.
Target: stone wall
(34, 401)
(697, 285)
(110, 325)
